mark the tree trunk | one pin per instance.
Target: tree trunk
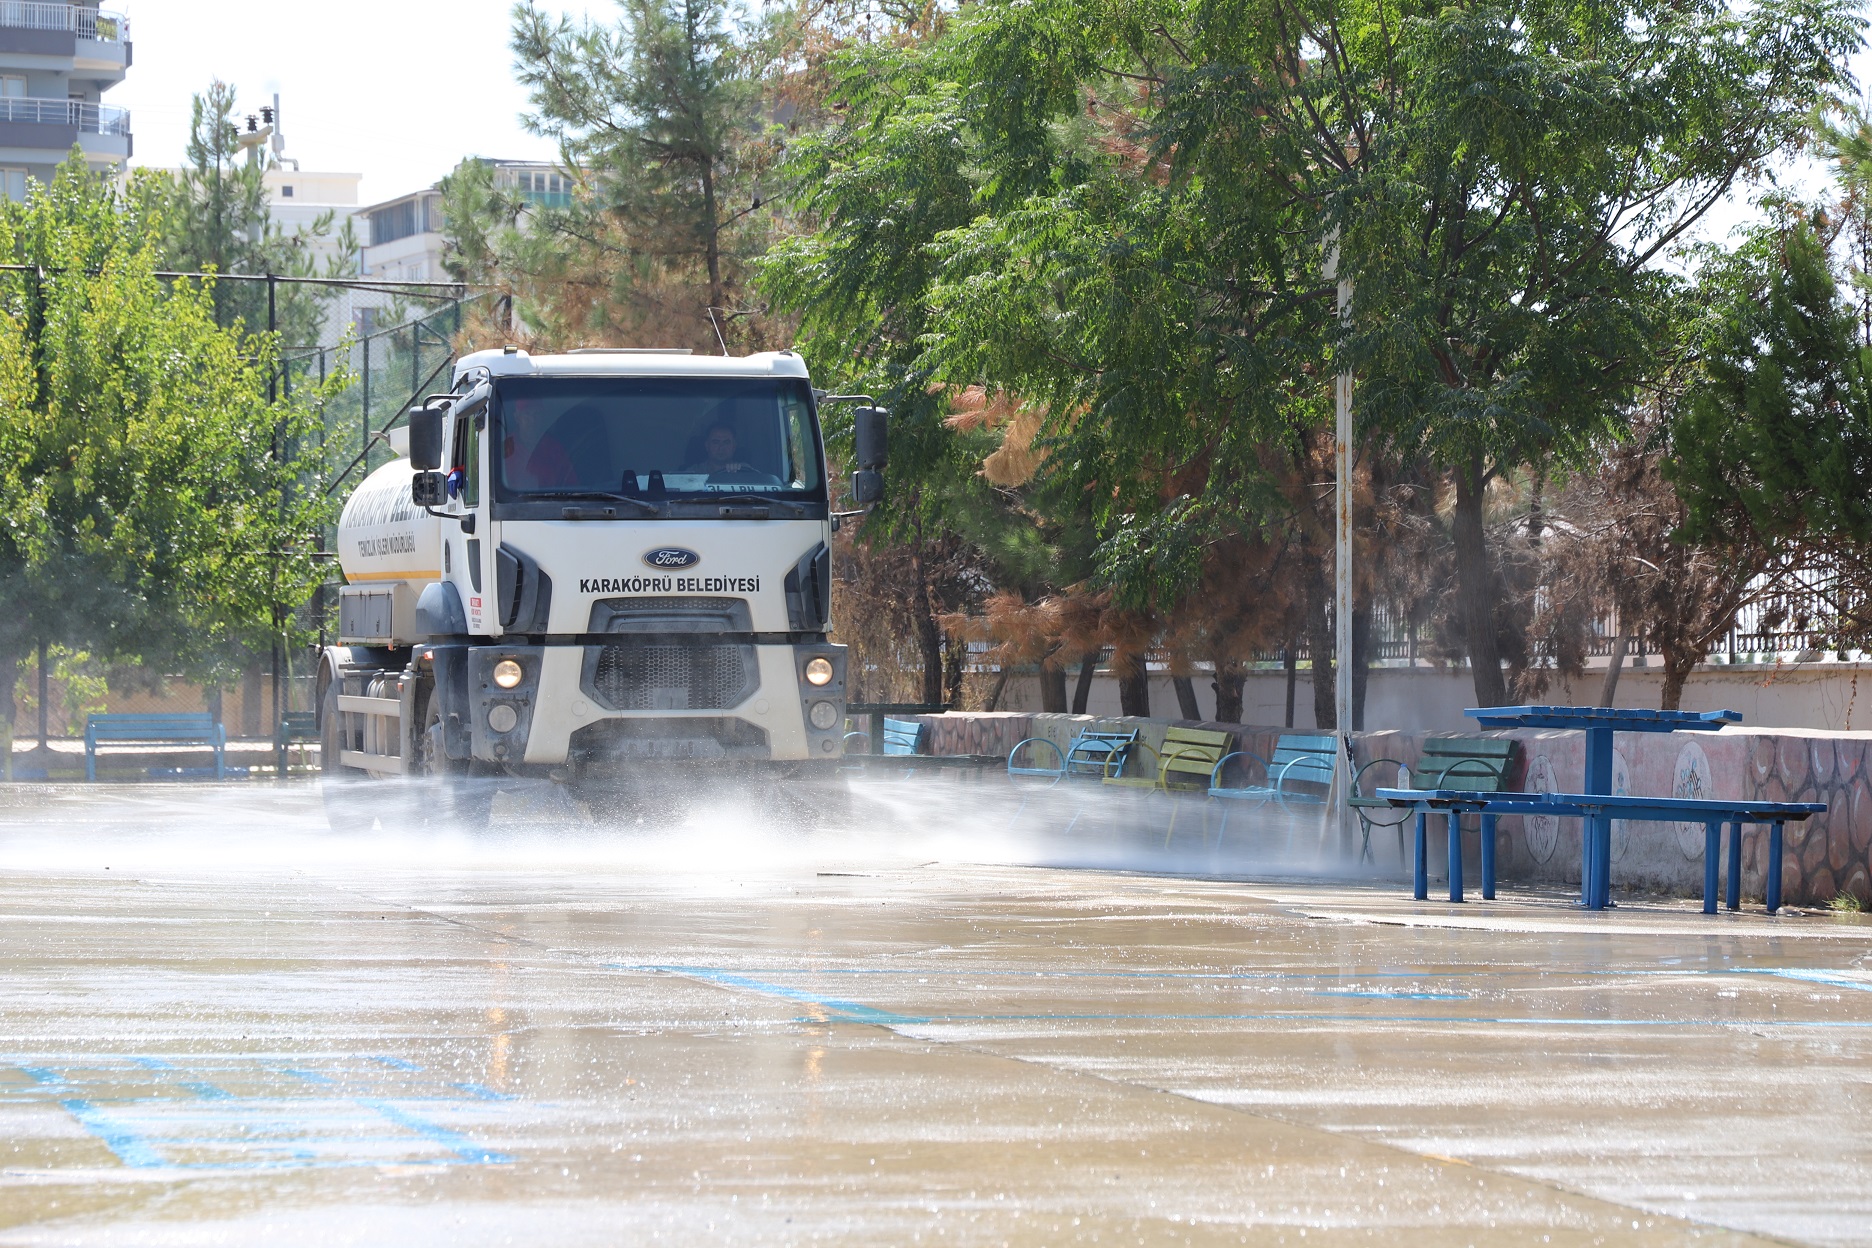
(1476, 589)
(1291, 665)
(45, 737)
(1052, 689)
(955, 664)
(1000, 687)
(1609, 690)
(1229, 679)
(1320, 643)
(1186, 698)
(252, 683)
(1677, 668)
(1082, 692)
(1133, 686)
(1361, 663)
(929, 635)
(9, 676)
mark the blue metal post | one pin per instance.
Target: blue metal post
(1421, 875)
(1735, 865)
(1712, 850)
(1488, 857)
(1596, 830)
(1452, 824)
(1772, 886)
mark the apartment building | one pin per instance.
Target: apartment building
(404, 243)
(56, 62)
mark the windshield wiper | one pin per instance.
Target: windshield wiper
(648, 508)
(764, 500)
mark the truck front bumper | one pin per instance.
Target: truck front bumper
(648, 698)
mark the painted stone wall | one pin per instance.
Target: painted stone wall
(1827, 855)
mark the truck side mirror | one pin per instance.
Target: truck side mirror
(867, 486)
(429, 488)
(425, 437)
(871, 436)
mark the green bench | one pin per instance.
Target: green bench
(294, 727)
(1468, 764)
(1192, 754)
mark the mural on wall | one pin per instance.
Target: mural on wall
(1543, 831)
(1693, 781)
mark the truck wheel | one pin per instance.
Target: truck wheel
(457, 796)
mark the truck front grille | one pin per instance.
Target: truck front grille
(672, 677)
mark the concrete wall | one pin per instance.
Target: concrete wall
(1827, 855)
(1426, 699)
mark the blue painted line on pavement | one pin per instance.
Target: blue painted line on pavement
(208, 1091)
(482, 1092)
(463, 1147)
(395, 1063)
(853, 1010)
(131, 1149)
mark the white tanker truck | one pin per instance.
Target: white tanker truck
(592, 568)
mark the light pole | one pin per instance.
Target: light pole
(1342, 562)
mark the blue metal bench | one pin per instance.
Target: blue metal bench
(1451, 803)
(1093, 753)
(1035, 763)
(1301, 770)
(904, 736)
(154, 730)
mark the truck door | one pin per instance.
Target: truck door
(469, 546)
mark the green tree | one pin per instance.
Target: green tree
(1123, 209)
(660, 121)
(157, 502)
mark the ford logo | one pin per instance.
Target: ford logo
(671, 557)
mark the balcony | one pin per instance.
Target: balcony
(71, 19)
(73, 115)
(36, 132)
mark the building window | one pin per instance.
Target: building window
(286, 192)
(12, 87)
(13, 181)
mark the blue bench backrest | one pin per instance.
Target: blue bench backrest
(904, 736)
(1090, 751)
(200, 727)
(1303, 759)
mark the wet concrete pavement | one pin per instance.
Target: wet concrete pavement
(221, 1024)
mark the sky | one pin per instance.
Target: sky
(397, 90)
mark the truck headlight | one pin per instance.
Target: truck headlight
(507, 674)
(819, 671)
(824, 715)
(503, 718)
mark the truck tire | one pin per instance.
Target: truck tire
(459, 798)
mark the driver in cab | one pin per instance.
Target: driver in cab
(719, 445)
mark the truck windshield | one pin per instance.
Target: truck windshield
(700, 435)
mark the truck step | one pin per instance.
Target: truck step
(372, 762)
(389, 708)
